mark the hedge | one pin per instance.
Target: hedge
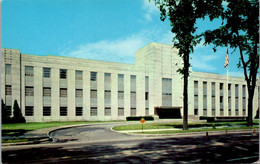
(137, 118)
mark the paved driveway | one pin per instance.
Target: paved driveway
(98, 144)
(98, 132)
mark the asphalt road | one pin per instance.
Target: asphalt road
(97, 144)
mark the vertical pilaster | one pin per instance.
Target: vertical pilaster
(217, 98)
(100, 95)
(233, 100)
(55, 94)
(190, 97)
(86, 94)
(71, 94)
(200, 98)
(114, 96)
(209, 98)
(127, 92)
(38, 95)
(140, 95)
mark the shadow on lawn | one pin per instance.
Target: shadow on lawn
(14, 133)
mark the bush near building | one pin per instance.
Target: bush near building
(137, 118)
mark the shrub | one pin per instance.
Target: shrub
(137, 118)
(17, 114)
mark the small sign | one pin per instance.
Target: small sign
(142, 120)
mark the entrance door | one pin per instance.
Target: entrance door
(168, 112)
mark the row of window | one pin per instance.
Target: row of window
(29, 91)
(29, 111)
(213, 102)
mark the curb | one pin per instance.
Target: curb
(217, 132)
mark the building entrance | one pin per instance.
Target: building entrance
(168, 112)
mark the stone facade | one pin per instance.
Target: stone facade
(52, 88)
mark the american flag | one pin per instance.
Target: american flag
(226, 61)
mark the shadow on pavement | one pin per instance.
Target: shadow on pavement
(232, 148)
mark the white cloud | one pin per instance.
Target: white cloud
(119, 50)
(202, 62)
(150, 9)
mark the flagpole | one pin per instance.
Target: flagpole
(227, 92)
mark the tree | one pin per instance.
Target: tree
(183, 15)
(17, 114)
(4, 112)
(241, 31)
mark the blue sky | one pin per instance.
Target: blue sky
(109, 30)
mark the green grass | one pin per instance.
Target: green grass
(194, 130)
(20, 140)
(176, 125)
(41, 125)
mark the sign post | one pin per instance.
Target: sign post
(142, 121)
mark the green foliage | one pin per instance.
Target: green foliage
(17, 114)
(5, 117)
(183, 15)
(240, 30)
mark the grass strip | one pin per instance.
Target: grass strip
(176, 125)
(41, 125)
(193, 130)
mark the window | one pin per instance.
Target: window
(107, 77)
(78, 75)
(196, 84)
(221, 99)
(46, 111)
(133, 95)
(28, 110)
(63, 73)
(46, 72)
(93, 76)
(8, 110)
(133, 111)
(8, 69)
(120, 94)
(120, 82)
(79, 92)
(78, 111)
(236, 90)
(120, 111)
(107, 94)
(146, 95)
(93, 111)
(8, 90)
(47, 91)
(213, 84)
(204, 112)
(107, 111)
(63, 92)
(196, 111)
(29, 91)
(204, 88)
(93, 93)
(63, 111)
(244, 91)
(28, 71)
(221, 86)
(229, 86)
(146, 111)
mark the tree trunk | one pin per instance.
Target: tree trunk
(185, 91)
(250, 108)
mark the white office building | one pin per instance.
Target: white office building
(53, 88)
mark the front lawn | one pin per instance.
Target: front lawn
(196, 126)
(41, 125)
